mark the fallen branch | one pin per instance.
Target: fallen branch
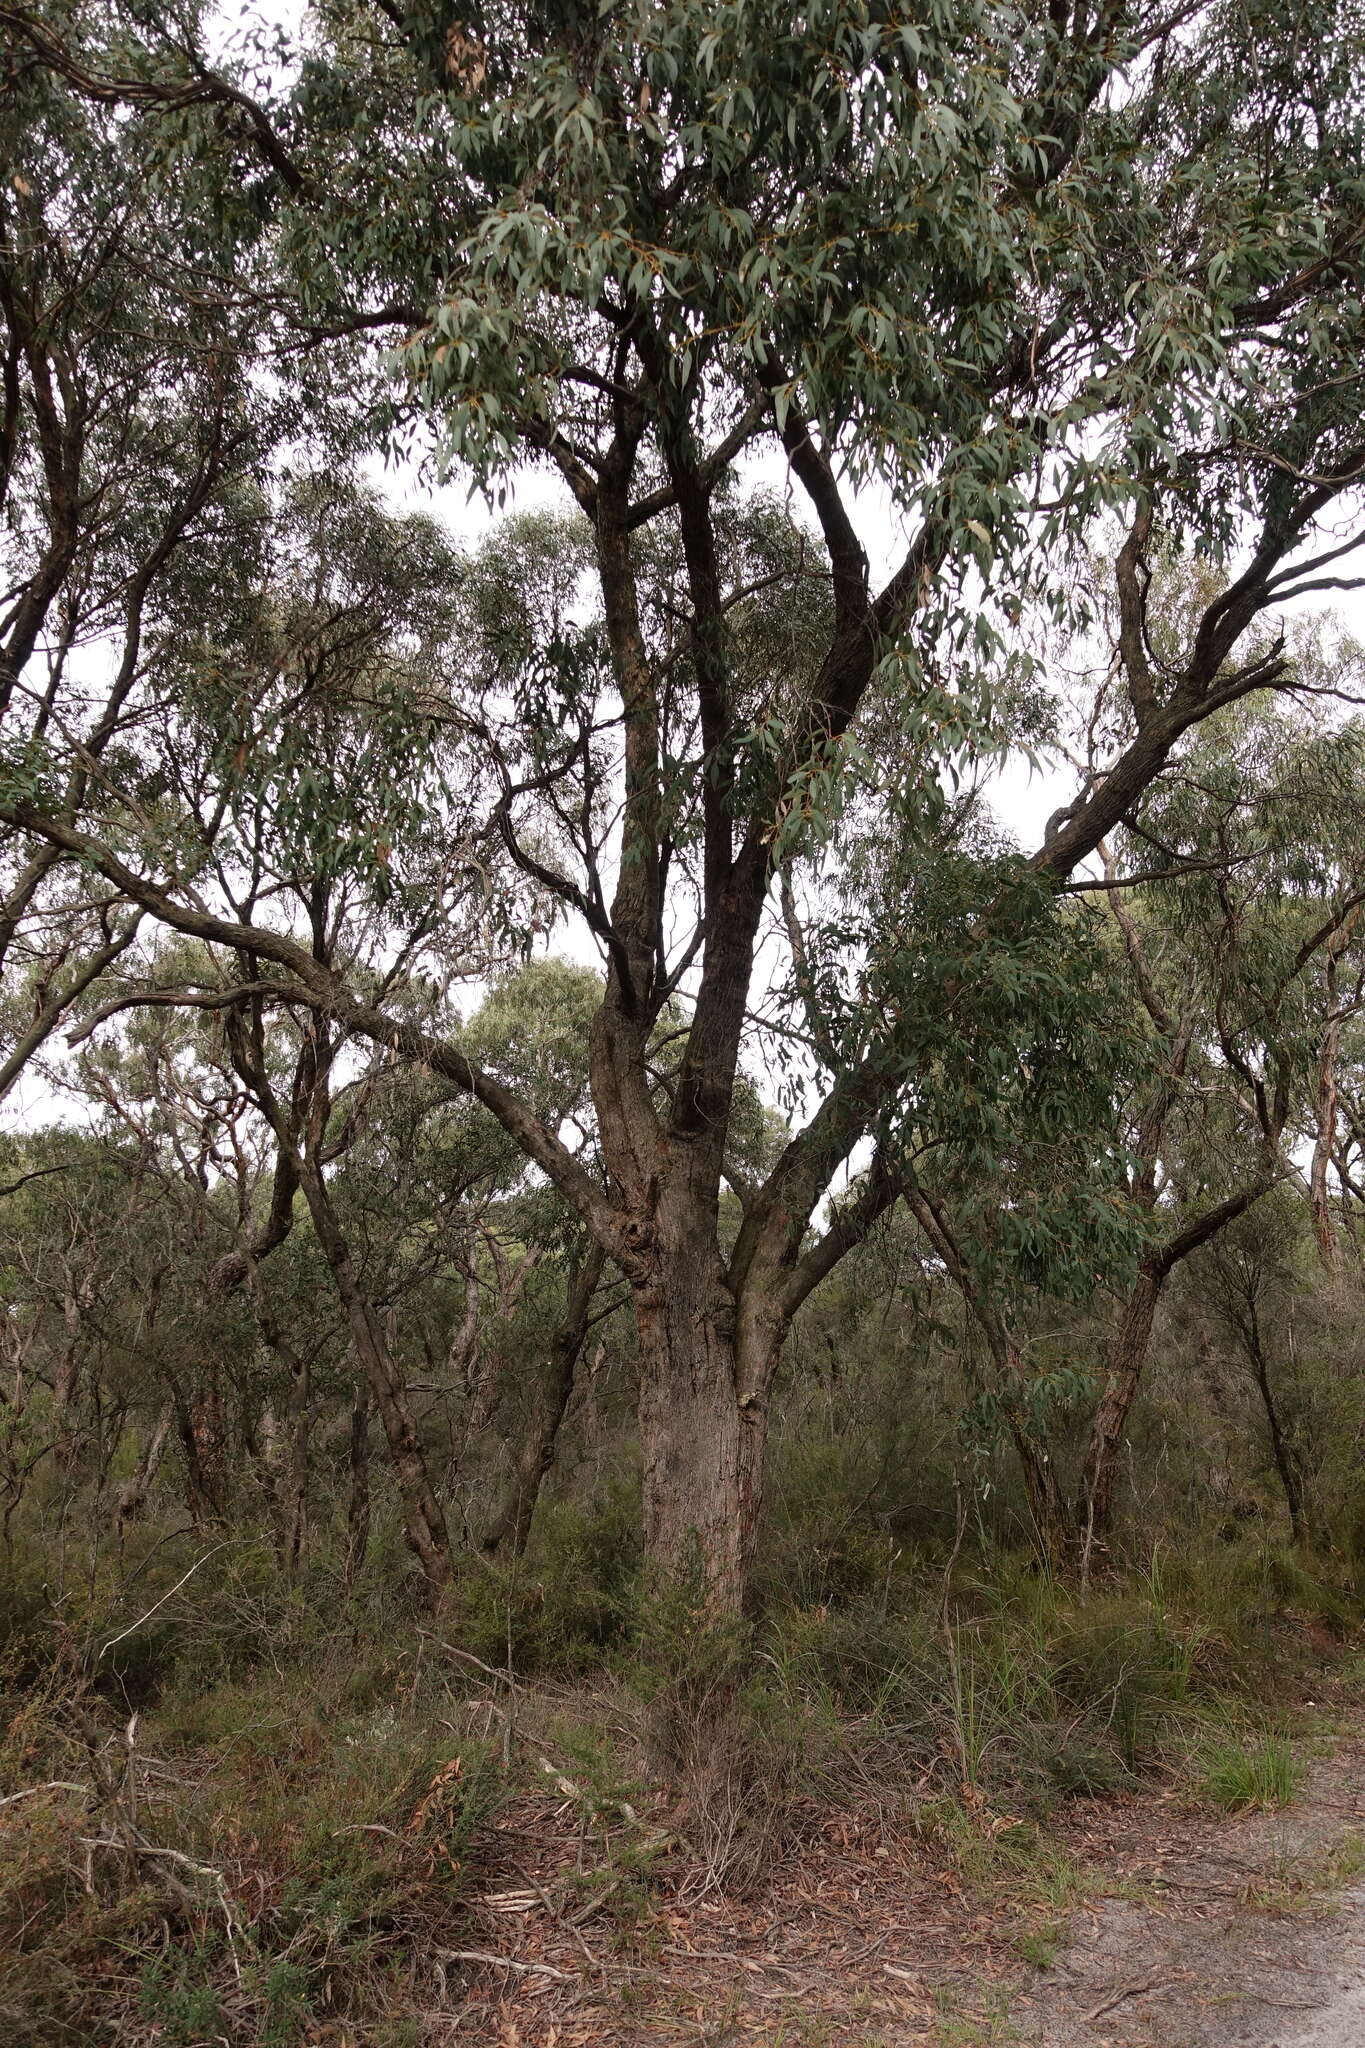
(478, 1955)
(140, 1848)
(52, 1785)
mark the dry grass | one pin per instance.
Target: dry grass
(321, 1819)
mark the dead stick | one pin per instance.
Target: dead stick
(476, 1955)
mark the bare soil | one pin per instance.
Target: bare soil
(1237, 1934)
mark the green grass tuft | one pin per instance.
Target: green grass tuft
(1241, 1778)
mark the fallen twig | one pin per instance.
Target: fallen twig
(162, 1601)
(1125, 1991)
(599, 1899)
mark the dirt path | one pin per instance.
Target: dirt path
(1195, 1932)
(1244, 1934)
(1252, 1979)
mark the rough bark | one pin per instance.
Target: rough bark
(197, 1439)
(209, 1430)
(707, 1354)
(702, 1462)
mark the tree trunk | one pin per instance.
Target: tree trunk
(1324, 1225)
(425, 1522)
(198, 1442)
(1126, 1362)
(703, 1462)
(65, 1382)
(511, 1525)
(1046, 1503)
(296, 1498)
(1329, 1056)
(1047, 1507)
(206, 1445)
(1286, 1464)
(133, 1493)
(705, 1367)
(290, 1500)
(358, 1507)
(1129, 1355)
(260, 1447)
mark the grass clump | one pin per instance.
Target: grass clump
(1261, 1774)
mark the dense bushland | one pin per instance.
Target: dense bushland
(250, 1781)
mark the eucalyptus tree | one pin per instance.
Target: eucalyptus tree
(164, 1087)
(105, 1324)
(300, 752)
(61, 1251)
(133, 432)
(1240, 969)
(1024, 267)
(1249, 1274)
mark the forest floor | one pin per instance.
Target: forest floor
(1138, 1921)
